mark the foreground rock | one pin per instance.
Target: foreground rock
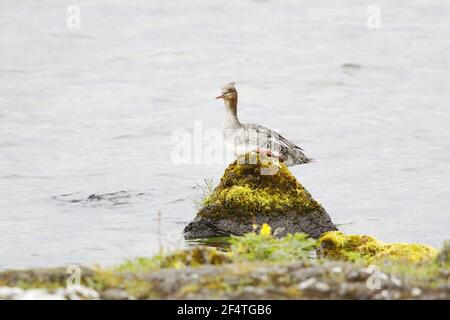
(297, 280)
(246, 196)
(255, 267)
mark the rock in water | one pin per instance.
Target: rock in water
(247, 195)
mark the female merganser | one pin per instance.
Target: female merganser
(245, 138)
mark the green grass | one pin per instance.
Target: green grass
(260, 247)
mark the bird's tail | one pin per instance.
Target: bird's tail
(309, 160)
(298, 158)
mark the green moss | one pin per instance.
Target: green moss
(141, 264)
(337, 245)
(34, 284)
(245, 192)
(253, 246)
(193, 257)
(221, 243)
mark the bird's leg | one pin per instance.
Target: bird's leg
(268, 153)
(263, 151)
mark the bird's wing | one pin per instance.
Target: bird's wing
(273, 136)
(288, 143)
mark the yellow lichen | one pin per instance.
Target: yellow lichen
(266, 230)
(337, 245)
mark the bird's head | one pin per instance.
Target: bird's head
(228, 92)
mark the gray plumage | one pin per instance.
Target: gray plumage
(244, 138)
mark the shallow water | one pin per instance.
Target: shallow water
(86, 116)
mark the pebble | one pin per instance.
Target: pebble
(307, 283)
(69, 293)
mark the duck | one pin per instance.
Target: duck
(244, 138)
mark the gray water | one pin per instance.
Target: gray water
(92, 111)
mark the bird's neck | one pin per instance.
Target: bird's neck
(231, 118)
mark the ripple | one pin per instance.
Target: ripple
(19, 176)
(111, 199)
(351, 66)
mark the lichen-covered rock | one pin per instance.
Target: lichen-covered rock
(337, 245)
(247, 195)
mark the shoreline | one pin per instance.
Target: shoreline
(256, 266)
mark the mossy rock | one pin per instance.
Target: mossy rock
(339, 246)
(248, 195)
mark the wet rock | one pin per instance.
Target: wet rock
(247, 195)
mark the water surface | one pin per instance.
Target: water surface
(86, 116)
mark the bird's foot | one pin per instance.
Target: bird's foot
(270, 157)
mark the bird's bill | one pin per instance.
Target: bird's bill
(221, 96)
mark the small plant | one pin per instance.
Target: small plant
(207, 189)
(141, 264)
(264, 247)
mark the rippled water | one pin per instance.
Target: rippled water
(86, 116)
